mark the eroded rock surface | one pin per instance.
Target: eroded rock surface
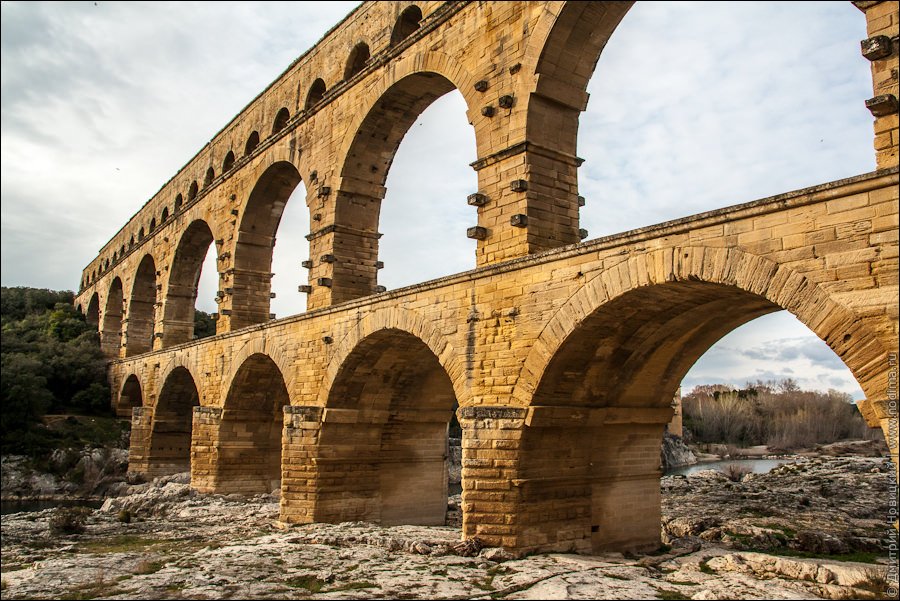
(180, 544)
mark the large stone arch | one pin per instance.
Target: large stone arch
(161, 434)
(387, 403)
(254, 247)
(111, 331)
(390, 106)
(599, 381)
(839, 327)
(237, 448)
(184, 276)
(141, 322)
(402, 320)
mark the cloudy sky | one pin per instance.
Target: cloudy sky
(694, 106)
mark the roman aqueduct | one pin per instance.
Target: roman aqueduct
(558, 355)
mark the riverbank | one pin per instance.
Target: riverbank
(723, 539)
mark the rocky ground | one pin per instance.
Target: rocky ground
(724, 540)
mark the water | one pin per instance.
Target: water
(756, 466)
(7, 507)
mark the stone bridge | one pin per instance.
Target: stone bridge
(558, 356)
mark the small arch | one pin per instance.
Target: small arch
(357, 60)
(316, 93)
(407, 23)
(192, 192)
(122, 251)
(115, 257)
(129, 397)
(252, 143)
(141, 234)
(131, 242)
(228, 163)
(179, 200)
(281, 120)
(153, 224)
(165, 215)
(210, 176)
(111, 332)
(106, 265)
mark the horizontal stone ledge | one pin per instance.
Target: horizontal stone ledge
(573, 481)
(479, 412)
(562, 416)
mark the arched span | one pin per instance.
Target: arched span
(92, 315)
(142, 310)
(357, 60)
(130, 396)
(111, 332)
(392, 403)
(170, 436)
(600, 379)
(256, 241)
(184, 276)
(248, 445)
(407, 23)
(752, 278)
(366, 159)
(406, 322)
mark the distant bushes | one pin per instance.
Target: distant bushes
(777, 414)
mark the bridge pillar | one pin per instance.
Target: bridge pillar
(343, 465)
(139, 447)
(249, 302)
(884, 414)
(329, 474)
(491, 496)
(231, 452)
(531, 202)
(881, 49)
(158, 443)
(543, 479)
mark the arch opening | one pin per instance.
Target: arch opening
(619, 369)
(165, 215)
(408, 23)
(139, 333)
(405, 403)
(111, 332)
(281, 120)
(357, 60)
(193, 190)
(181, 296)
(179, 200)
(129, 397)
(367, 164)
(252, 143)
(170, 437)
(228, 163)
(92, 315)
(316, 93)
(254, 251)
(249, 449)
(209, 177)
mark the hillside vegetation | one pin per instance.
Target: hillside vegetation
(51, 364)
